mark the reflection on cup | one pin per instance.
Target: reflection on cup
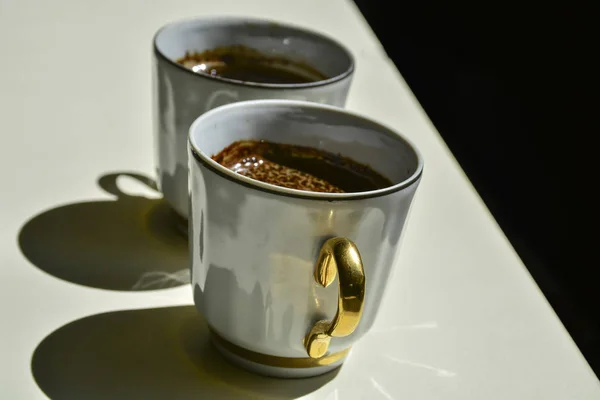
(220, 98)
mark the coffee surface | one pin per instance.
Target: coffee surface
(248, 65)
(299, 167)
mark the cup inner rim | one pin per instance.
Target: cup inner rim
(224, 172)
(264, 22)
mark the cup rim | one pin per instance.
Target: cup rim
(259, 21)
(228, 174)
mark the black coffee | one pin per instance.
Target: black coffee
(299, 167)
(248, 65)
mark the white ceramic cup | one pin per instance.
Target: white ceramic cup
(180, 95)
(261, 254)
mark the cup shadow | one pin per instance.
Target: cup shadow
(130, 243)
(159, 353)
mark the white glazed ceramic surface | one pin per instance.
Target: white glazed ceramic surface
(254, 245)
(181, 95)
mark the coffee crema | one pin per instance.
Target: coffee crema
(299, 167)
(245, 64)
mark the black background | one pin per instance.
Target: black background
(513, 91)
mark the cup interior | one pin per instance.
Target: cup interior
(307, 124)
(270, 38)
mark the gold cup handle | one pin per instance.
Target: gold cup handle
(338, 255)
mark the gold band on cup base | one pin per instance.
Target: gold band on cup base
(279, 362)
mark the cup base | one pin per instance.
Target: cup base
(277, 367)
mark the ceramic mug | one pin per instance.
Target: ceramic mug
(180, 94)
(263, 257)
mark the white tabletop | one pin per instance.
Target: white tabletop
(462, 318)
